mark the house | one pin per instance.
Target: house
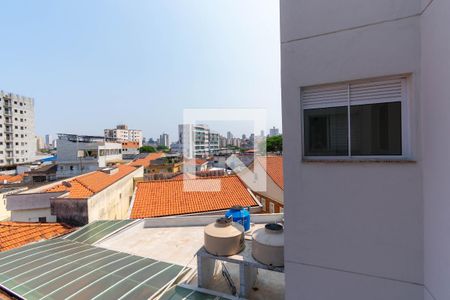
(146, 161)
(365, 92)
(45, 173)
(5, 191)
(190, 196)
(130, 149)
(99, 195)
(17, 234)
(79, 154)
(168, 163)
(271, 197)
(195, 165)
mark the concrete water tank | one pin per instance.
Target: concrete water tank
(224, 237)
(268, 245)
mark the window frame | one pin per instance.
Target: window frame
(405, 122)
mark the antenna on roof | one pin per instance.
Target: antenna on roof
(66, 184)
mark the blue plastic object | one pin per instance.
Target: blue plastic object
(239, 215)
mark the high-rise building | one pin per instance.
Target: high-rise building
(214, 141)
(122, 134)
(48, 141)
(17, 137)
(194, 139)
(164, 140)
(40, 144)
(274, 131)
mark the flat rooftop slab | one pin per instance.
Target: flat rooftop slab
(178, 239)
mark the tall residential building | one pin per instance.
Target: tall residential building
(214, 141)
(48, 140)
(122, 134)
(194, 139)
(17, 137)
(366, 90)
(40, 144)
(78, 154)
(274, 131)
(164, 140)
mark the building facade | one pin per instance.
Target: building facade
(365, 103)
(122, 134)
(274, 131)
(81, 154)
(17, 137)
(164, 140)
(101, 195)
(194, 139)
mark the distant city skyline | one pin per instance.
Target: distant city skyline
(93, 65)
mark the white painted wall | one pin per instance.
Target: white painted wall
(32, 215)
(113, 202)
(354, 230)
(435, 25)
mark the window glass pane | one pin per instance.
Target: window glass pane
(326, 131)
(376, 129)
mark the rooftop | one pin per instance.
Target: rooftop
(146, 161)
(11, 178)
(178, 239)
(273, 165)
(87, 185)
(17, 234)
(189, 196)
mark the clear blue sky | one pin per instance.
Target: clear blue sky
(93, 64)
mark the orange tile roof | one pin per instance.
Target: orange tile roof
(274, 168)
(17, 234)
(87, 185)
(146, 161)
(12, 178)
(168, 198)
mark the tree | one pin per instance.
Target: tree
(163, 148)
(274, 144)
(147, 149)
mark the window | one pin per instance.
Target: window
(42, 219)
(272, 208)
(363, 119)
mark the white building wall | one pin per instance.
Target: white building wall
(32, 215)
(113, 202)
(354, 230)
(435, 24)
(17, 136)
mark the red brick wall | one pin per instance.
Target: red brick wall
(276, 205)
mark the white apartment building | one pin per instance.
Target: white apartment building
(17, 137)
(122, 134)
(164, 140)
(194, 139)
(365, 92)
(78, 154)
(214, 141)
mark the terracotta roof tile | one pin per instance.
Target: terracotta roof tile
(87, 185)
(17, 234)
(167, 197)
(12, 178)
(146, 161)
(274, 168)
